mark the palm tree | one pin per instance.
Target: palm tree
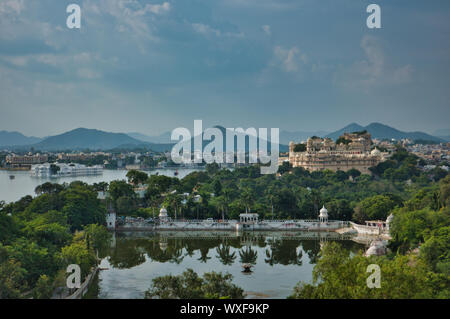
(173, 201)
(247, 198)
(270, 194)
(221, 204)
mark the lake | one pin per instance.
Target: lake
(282, 260)
(14, 189)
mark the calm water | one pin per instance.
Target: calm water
(24, 184)
(282, 260)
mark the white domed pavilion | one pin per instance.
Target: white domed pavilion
(323, 216)
(375, 152)
(163, 215)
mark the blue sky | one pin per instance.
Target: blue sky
(151, 66)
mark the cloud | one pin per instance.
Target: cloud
(267, 30)
(290, 60)
(89, 74)
(264, 4)
(206, 30)
(12, 6)
(129, 15)
(157, 8)
(373, 71)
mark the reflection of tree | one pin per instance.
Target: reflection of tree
(177, 256)
(312, 249)
(248, 255)
(204, 254)
(189, 251)
(261, 241)
(126, 255)
(225, 256)
(170, 251)
(283, 252)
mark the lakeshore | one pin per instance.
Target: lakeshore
(23, 184)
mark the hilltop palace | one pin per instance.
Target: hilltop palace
(351, 150)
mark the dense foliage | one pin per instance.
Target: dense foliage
(190, 285)
(418, 267)
(40, 237)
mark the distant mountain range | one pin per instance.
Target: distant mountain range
(444, 134)
(84, 139)
(163, 138)
(285, 136)
(381, 131)
(282, 147)
(16, 138)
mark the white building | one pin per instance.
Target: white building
(323, 216)
(45, 170)
(111, 220)
(163, 217)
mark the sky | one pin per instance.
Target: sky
(151, 66)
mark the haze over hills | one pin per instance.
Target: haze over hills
(83, 139)
(443, 133)
(285, 136)
(282, 148)
(163, 138)
(16, 138)
(381, 131)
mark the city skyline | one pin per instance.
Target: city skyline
(152, 66)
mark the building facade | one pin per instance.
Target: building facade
(350, 151)
(46, 170)
(25, 160)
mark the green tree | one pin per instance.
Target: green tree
(12, 279)
(79, 254)
(43, 289)
(191, 286)
(374, 208)
(136, 177)
(337, 275)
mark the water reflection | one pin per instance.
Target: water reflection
(224, 254)
(278, 260)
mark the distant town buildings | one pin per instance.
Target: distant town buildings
(350, 151)
(431, 152)
(74, 157)
(25, 160)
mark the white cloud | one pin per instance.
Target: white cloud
(206, 30)
(267, 30)
(157, 8)
(130, 15)
(12, 6)
(289, 59)
(19, 61)
(89, 74)
(373, 70)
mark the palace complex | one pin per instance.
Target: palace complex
(351, 150)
